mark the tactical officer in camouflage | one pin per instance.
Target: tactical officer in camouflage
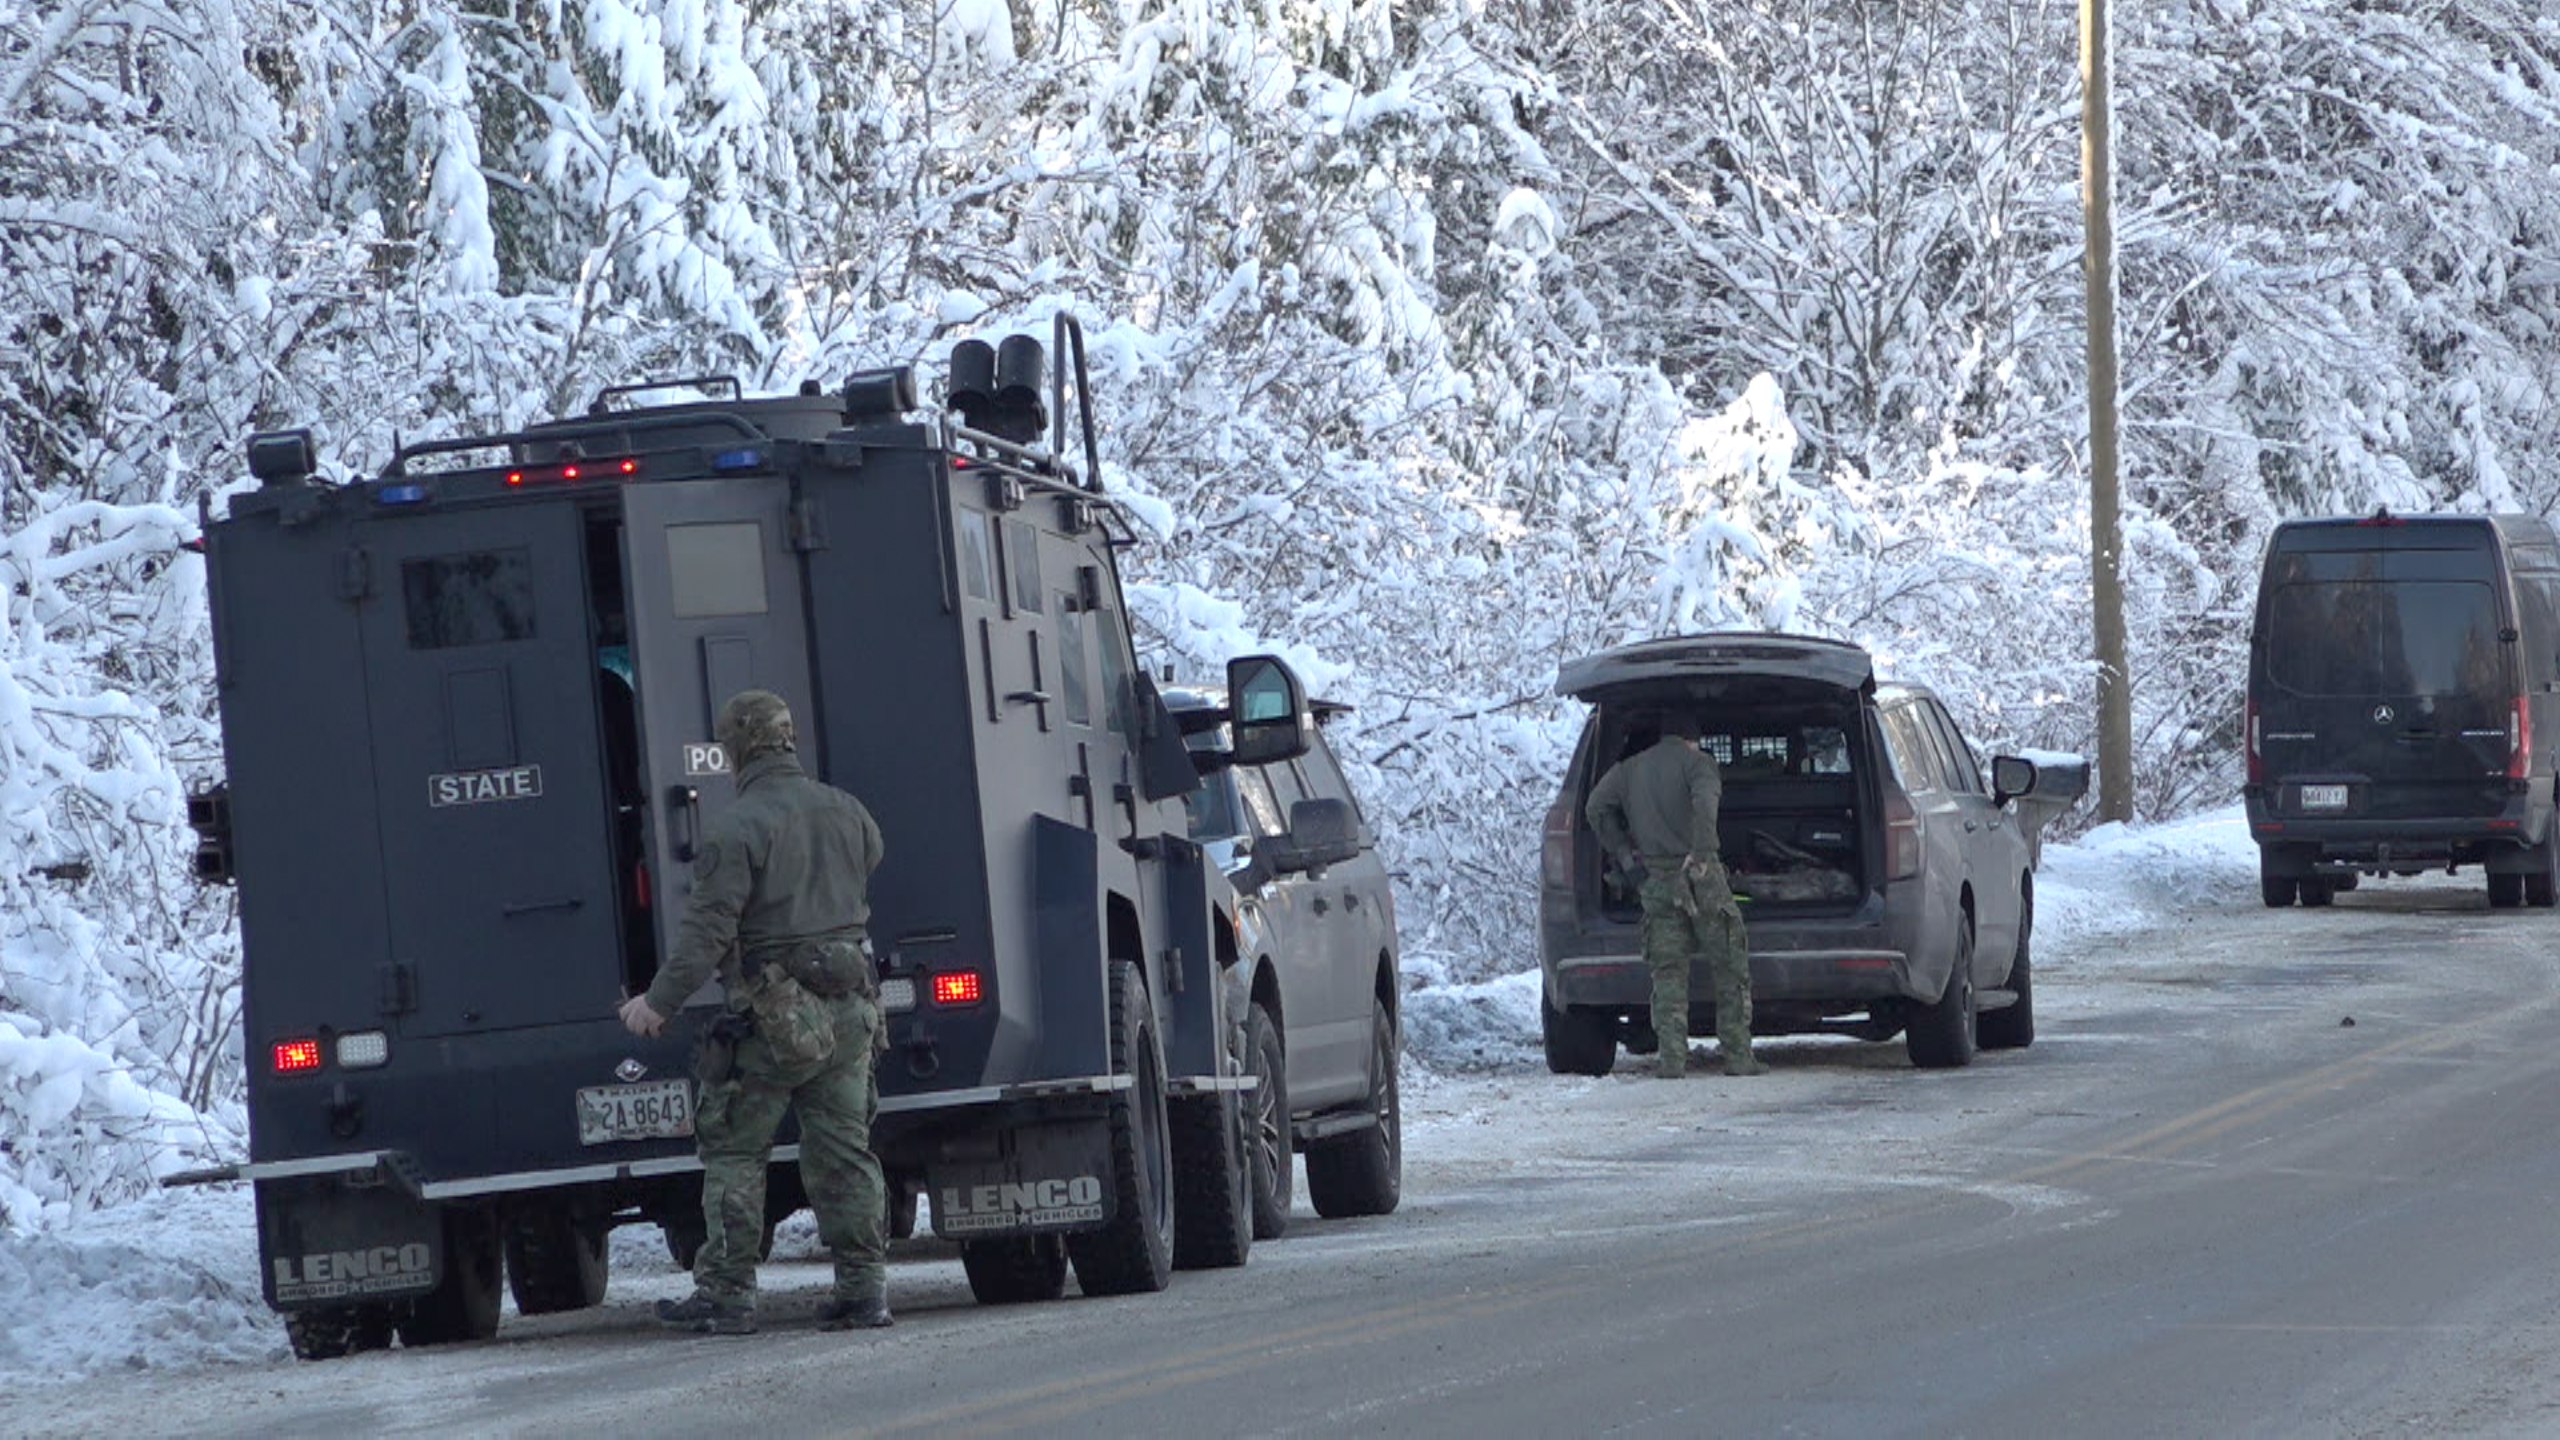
(1660, 805)
(780, 897)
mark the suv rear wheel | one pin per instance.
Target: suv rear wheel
(2013, 1026)
(2506, 891)
(1942, 1036)
(1577, 1043)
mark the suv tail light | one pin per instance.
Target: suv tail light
(2257, 757)
(1901, 835)
(2520, 740)
(1555, 850)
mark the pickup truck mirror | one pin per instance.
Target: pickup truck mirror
(1321, 833)
(1268, 715)
(2011, 778)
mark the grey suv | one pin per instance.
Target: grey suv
(1886, 889)
(1316, 932)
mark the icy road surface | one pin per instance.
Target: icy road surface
(2203, 1203)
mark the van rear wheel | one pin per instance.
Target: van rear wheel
(2542, 884)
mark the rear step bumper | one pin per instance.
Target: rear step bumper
(2367, 838)
(399, 1169)
(1847, 974)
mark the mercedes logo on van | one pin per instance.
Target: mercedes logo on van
(2384, 714)
(629, 1071)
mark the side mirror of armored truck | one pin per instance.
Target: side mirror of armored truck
(1165, 767)
(1267, 711)
(1322, 832)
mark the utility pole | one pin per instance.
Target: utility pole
(2106, 529)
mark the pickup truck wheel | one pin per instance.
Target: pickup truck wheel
(554, 1264)
(1942, 1036)
(1133, 1254)
(1362, 1173)
(1275, 1164)
(1577, 1043)
(1212, 1180)
(330, 1331)
(1016, 1270)
(2014, 1027)
(464, 1305)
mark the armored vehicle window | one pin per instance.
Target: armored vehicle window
(2396, 637)
(716, 569)
(483, 597)
(1119, 697)
(1072, 680)
(1022, 544)
(977, 554)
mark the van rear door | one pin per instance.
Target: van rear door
(489, 776)
(2389, 679)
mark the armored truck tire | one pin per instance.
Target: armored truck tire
(1212, 1179)
(464, 1304)
(1015, 1269)
(328, 1332)
(2013, 1027)
(1577, 1043)
(554, 1263)
(2317, 892)
(1362, 1173)
(1133, 1252)
(1942, 1036)
(1274, 1161)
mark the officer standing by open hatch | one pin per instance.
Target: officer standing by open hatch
(1660, 804)
(780, 896)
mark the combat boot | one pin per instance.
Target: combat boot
(864, 1312)
(701, 1315)
(1743, 1062)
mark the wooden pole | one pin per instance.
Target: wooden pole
(2106, 529)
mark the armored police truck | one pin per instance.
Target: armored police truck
(467, 710)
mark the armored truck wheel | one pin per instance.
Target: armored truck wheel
(1133, 1253)
(464, 1304)
(1212, 1180)
(1362, 1173)
(1577, 1044)
(553, 1262)
(330, 1331)
(1015, 1270)
(1274, 1162)
(1942, 1036)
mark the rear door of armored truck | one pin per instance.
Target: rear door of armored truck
(480, 692)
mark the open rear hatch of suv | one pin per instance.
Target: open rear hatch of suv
(1783, 717)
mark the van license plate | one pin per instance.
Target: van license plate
(2324, 797)
(659, 1110)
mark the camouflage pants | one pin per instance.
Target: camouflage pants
(1673, 939)
(734, 1124)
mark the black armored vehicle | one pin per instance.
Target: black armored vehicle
(467, 713)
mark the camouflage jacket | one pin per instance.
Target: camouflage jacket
(1663, 800)
(790, 861)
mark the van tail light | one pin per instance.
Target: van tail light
(1901, 835)
(1555, 850)
(2257, 757)
(2520, 740)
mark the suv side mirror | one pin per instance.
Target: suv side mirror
(1322, 832)
(1267, 709)
(2011, 779)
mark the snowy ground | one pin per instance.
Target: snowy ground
(171, 1282)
